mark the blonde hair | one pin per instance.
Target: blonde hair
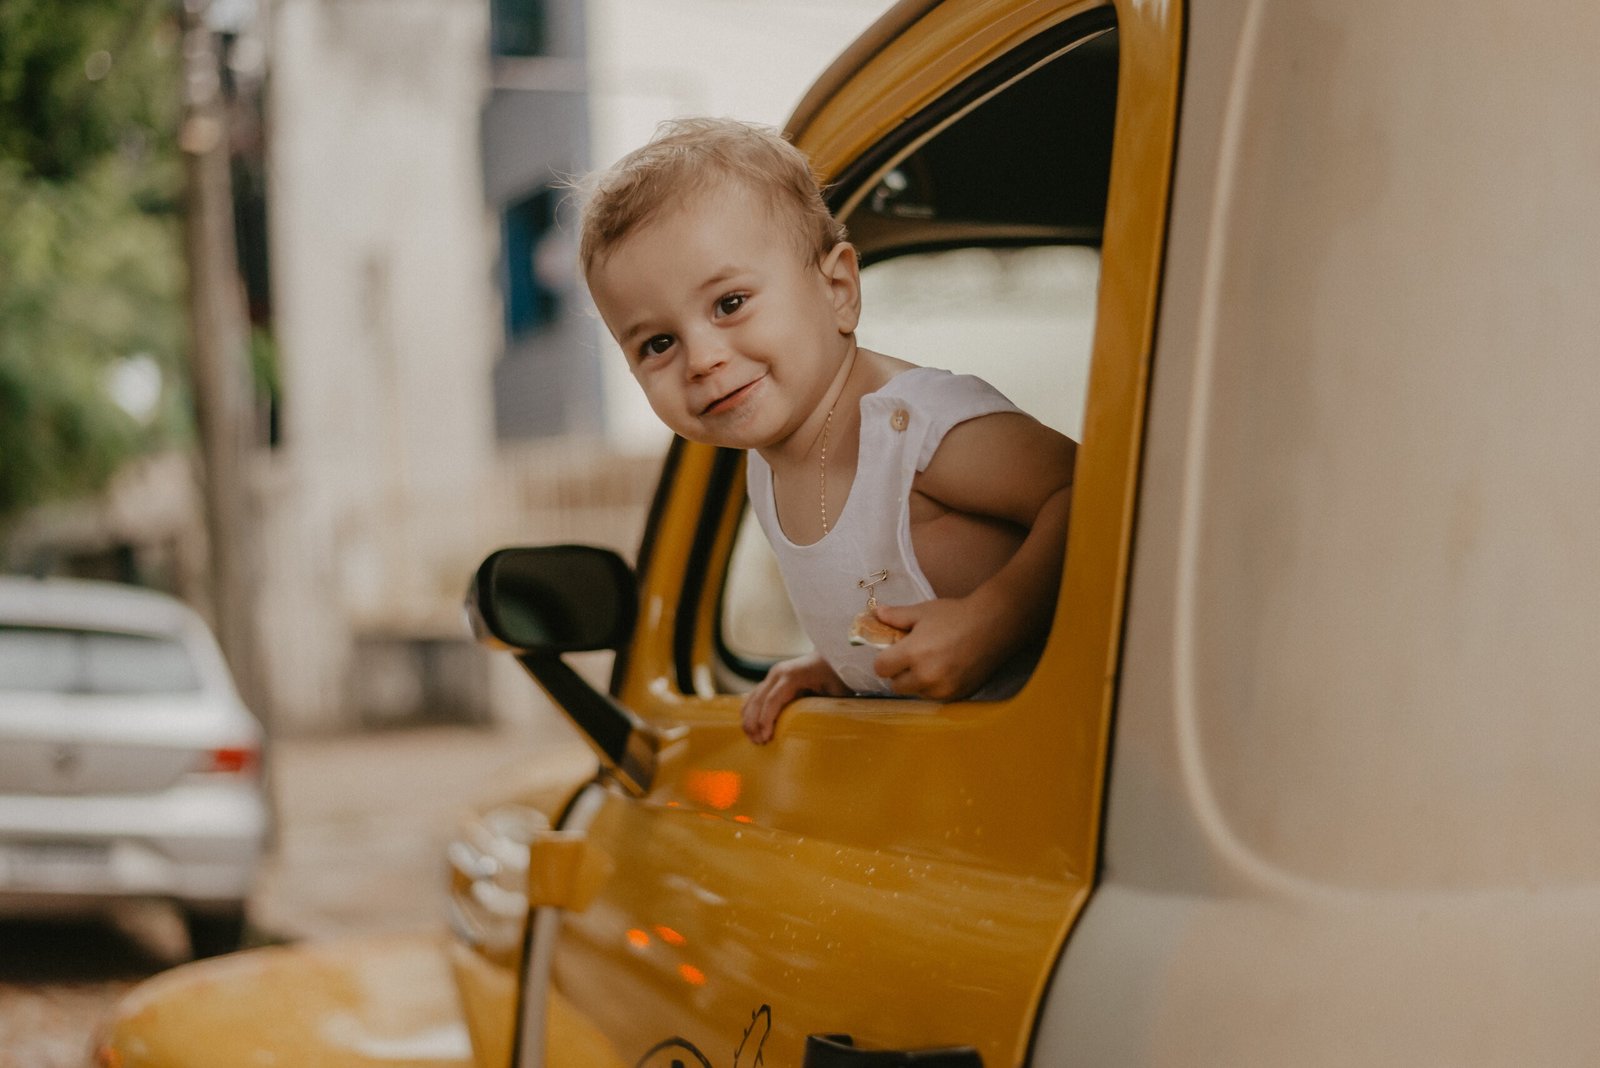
(682, 156)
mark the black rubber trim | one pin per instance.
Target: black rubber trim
(598, 715)
(839, 1051)
(987, 80)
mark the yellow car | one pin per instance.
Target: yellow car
(1306, 773)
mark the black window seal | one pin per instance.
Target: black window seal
(1008, 67)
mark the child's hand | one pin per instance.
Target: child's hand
(787, 680)
(953, 648)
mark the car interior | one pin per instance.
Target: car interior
(982, 169)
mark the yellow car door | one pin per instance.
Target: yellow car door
(887, 878)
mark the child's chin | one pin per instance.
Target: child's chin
(743, 437)
(720, 441)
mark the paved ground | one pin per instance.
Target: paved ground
(362, 825)
(364, 821)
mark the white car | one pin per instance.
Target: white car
(129, 767)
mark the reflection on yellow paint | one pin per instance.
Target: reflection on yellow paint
(692, 975)
(638, 939)
(718, 789)
(669, 936)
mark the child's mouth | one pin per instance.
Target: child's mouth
(729, 400)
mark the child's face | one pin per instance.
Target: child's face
(733, 332)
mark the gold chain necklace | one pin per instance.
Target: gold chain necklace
(822, 469)
(822, 460)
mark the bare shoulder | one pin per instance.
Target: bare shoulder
(1005, 464)
(878, 368)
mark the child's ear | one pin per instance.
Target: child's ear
(842, 272)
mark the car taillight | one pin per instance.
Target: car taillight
(231, 760)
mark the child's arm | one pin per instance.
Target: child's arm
(1008, 467)
(788, 679)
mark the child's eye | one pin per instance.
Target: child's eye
(655, 346)
(731, 303)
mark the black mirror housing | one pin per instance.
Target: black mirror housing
(548, 600)
(553, 599)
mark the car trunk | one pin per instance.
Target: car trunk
(77, 744)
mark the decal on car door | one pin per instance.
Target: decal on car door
(681, 1053)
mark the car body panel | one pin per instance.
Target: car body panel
(1351, 817)
(736, 844)
(99, 744)
(196, 844)
(348, 1003)
(354, 1003)
(490, 856)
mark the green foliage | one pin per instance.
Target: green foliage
(82, 78)
(91, 269)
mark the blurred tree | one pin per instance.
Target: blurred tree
(91, 269)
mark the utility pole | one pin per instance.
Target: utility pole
(219, 365)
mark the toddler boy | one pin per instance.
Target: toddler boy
(918, 517)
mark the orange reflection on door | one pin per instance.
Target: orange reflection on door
(718, 789)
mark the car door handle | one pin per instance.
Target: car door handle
(839, 1051)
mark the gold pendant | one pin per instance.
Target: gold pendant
(867, 628)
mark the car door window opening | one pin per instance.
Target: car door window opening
(973, 240)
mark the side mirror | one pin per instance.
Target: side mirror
(554, 599)
(542, 602)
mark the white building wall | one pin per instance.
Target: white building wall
(382, 260)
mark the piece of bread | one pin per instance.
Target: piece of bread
(868, 629)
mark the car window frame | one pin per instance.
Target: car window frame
(844, 194)
(668, 671)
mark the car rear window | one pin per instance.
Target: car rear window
(71, 660)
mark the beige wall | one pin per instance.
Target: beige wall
(384, 316)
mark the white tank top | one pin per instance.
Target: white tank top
(902, 424)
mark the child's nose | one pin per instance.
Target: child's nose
(706, 354)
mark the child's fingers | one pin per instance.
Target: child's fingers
(904, 616)
(757, 715)
(893, 661)
(784, 683)
(765, 703)
(919, 672)
(912, 681)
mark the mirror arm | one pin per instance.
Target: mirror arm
(627, 746)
